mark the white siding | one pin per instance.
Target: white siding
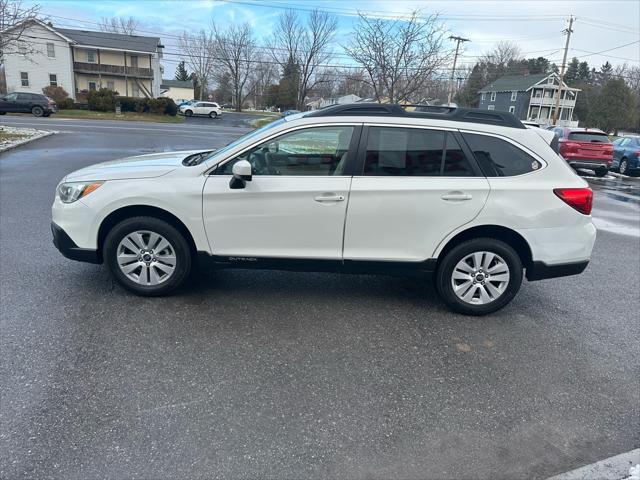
(38, 65)
(179, 93)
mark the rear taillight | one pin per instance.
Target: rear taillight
(580, 199)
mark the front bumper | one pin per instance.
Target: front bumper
(69, 249)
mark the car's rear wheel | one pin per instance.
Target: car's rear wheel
(188, 113)
(624, 165)
(601, 172)
(479, 276)
(37, 111)
(213, 114)
(147, 256)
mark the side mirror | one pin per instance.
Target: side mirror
(241, 174)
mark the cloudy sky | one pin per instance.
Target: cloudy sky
(604, 30)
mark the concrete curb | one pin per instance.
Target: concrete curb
(613, 468)
(30, 139)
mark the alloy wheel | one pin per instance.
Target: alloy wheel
(146, 257)
(623, 166)
(480, 278)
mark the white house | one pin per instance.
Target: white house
(322, 102)
(82, 60)
(177, 89)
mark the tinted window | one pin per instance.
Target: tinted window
(455, 162)
(312, 151)
(589, 137)
(403, 152)
(414, 152)
(499, 158)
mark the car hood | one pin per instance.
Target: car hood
(140, 166)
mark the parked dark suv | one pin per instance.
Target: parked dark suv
(37, 104)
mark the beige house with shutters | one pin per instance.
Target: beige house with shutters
(83, 60)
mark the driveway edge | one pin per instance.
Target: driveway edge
(40, 134)
(612, 468)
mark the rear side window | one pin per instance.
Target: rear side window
(588, 137)
(414, 152)
(499, 158)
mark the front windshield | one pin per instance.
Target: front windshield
(216, 155)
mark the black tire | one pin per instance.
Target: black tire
(3, 113)
(47, 114)
(446, 268)
(213, 115)
(601, 172)
(188, 113)
(623, 166)
(37, 111)
(178, 243)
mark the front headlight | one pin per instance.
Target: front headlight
(72, 191)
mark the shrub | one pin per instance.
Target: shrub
(103, 100)
(160, 105)
(65, 104)
(57, 94)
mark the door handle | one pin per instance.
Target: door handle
(329, 197)
(456, 197)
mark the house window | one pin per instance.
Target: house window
(91, 56)
(53, 79)
(134, 61)
(512, 109)
(484, 96)
(110, 85)
(550, 80)
(24, 79)
(491, 107)
(135, 90)
(92, 85)
(493, 97)
(51, 50)
(514, 95)
(22, 48)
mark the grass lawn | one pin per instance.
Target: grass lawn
(10, 136)
(261, 122)
(141, 117)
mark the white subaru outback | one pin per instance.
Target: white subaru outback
(472, 197)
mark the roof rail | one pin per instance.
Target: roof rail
(436, 112)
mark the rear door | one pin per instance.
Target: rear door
(24, 102)
(416, 186)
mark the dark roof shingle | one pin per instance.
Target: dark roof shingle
(112, 40)
(518, 83)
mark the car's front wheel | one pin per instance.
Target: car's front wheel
(147, 256)
(624, 165)
(37, 111)
(479, 276)
(188, 113)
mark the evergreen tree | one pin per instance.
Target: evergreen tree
(181, 72)
(468, 95)
(571, 74)
(613, 107)
(584, 74)
(288, 86)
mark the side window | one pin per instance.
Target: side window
(12, 97)
(456, 163)
(404, 152)
(499, 158)
(316, 151)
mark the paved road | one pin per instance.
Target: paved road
(294, 375)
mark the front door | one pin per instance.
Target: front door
(416, 187)
(294, 207)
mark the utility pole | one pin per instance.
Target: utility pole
(458, 40)
(568, 33)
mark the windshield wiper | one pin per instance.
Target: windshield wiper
(195, 159)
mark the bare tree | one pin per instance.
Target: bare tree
(14, 19)
(126, 26)
(307, 45)
(234, 50)
(198, 52)
(497, 62)
(262, 76)
(399, 56)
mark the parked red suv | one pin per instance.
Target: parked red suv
(585, 148)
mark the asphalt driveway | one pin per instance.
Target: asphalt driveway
(299, 375)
